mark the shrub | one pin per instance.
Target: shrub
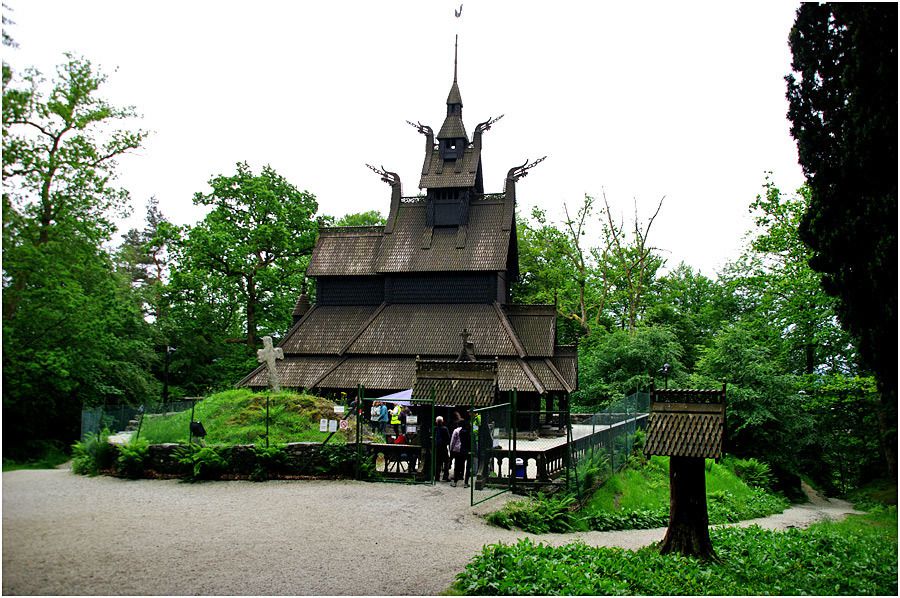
(202, 463)
(93, 454)
(853, 557)
(754, 473)
(538, 515)
(131, 459)
(267, 460)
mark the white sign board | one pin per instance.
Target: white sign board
(332, 425)
(412, 419)
(338, 408)
(411, 429)
(323, 425)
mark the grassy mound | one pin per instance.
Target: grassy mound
(857, 556)
(638, 498)
(239, 417)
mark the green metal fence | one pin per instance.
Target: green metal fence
(602, 441)
(493, 452)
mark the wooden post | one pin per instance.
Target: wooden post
(688, 532)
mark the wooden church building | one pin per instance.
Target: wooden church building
(423, 302)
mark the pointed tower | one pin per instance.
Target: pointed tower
(452, 167)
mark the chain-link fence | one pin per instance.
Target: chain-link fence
(602, 441)
(118, 419)
(493, 452)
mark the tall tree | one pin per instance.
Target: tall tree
(843, 109)
(254, 244)
(72, 330)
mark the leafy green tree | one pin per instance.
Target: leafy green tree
(617, 363)
(765, 416)
(843, 109)
(235, 276)
(369, 218)
(255, 242)
(780, 294)
(72, 329)
(693, 306)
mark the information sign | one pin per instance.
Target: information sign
(323, 425)
(332, 425)
(338, 408)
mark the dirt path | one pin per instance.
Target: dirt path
(67, 534)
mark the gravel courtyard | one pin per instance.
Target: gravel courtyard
(67, 534)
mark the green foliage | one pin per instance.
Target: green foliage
(538, 515)
(93, 454)
(638, 498)
(131, 459)
(202, 463)
(752, 472)
(615, 364)
(844, 118)
(239, 417)
(875, 494)
(47, 455)
(73, 334)
(369, 218)
(857, 556)
(267, 460)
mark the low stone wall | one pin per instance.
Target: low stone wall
(307, 459)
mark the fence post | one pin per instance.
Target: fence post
(267, 419)
(514, 432)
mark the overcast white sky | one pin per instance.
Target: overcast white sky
(642, 100)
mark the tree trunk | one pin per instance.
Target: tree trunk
(688, 532)
(251, 313)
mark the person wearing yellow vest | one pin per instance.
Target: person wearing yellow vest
(395, 418)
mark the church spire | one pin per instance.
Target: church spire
(452, 136)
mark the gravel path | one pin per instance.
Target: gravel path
(67, 534)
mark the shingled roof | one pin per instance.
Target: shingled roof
(345, 251)
(486, 248)
(461, 173)
(449, 383)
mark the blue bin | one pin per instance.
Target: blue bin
(520, 468)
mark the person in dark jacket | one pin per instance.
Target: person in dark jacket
(459, 450)
(441, 450)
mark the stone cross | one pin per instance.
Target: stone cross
(268, 355)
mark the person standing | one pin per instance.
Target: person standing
(382, 418)
(459, 450)
(441, 450)
(374, 416)
(395, 418)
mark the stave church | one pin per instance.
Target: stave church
(423, 302)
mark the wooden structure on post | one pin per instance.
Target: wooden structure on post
(688, 426)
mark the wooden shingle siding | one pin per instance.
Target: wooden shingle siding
(685, 435)
(439, 176)
(385, 373)
(486, 247)
(535, 331)
(345, 251)
(327, 329)
(477, 287)
(686, 423)
(350, 290)
(424, 329)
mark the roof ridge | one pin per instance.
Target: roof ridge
(510, 331)
(328, 371)
(362, 328)
(557, 373)
(529, 373)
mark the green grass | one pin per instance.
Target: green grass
(638, 498)
(239, 417)
(874, 493)
(51, 457)
(855, 556)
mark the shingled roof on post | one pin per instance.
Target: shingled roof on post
(686, 423)
(451, 383)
